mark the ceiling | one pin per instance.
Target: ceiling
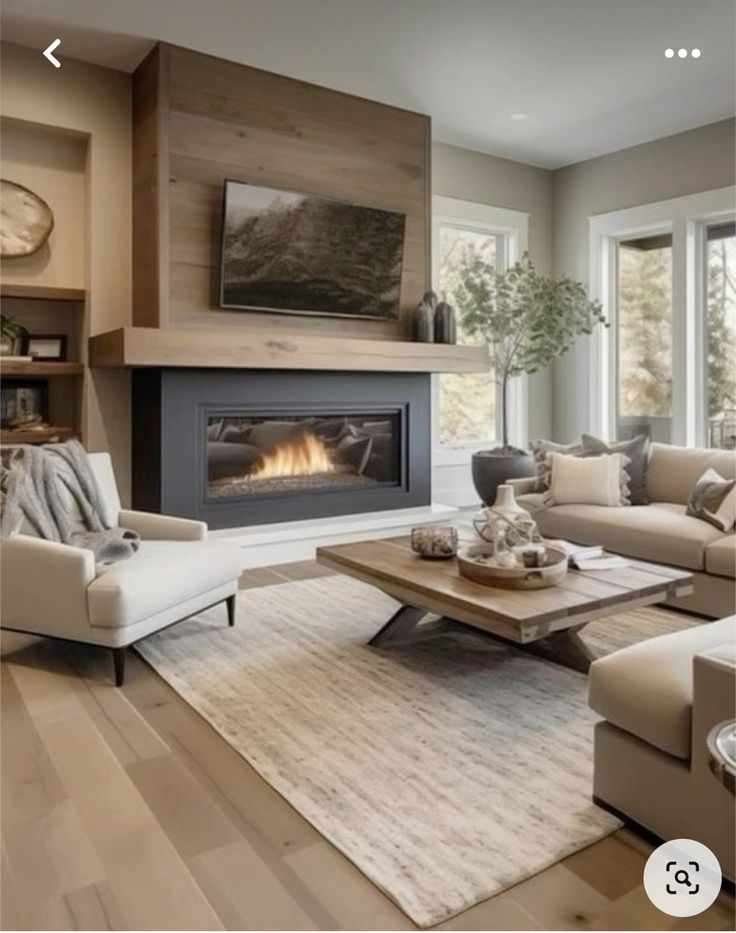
(590, 75)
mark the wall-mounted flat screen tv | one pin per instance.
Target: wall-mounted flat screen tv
(300, 254)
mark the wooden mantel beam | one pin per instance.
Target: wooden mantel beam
(233, 348)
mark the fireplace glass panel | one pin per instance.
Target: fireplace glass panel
(275, 455)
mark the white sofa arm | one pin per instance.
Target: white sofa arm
(714, 696)
(44, 586)
(523, 486)
(151, 526)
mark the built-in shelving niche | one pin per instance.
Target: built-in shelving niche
(53, 163)
(63, 380)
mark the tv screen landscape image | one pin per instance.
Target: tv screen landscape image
(302, 254)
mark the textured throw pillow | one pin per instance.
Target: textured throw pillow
(636, 449)
(541, 450)
(714, 500)
(588, 480)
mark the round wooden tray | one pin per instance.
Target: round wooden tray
(512, 578)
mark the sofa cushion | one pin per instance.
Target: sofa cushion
(160, 575)
(647, 688)
(533, 502)
(660, 532)
(720, 557)
(672, 472)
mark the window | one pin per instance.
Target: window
(721, 335)
(645, 337)
(467, 402)
(666, 276)
(465, 405)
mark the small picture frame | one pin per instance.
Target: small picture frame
(23, 402)
(46, 348)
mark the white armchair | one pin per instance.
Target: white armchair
(54, 589)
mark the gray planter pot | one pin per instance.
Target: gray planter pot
(490, 469)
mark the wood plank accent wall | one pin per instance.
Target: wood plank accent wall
(151, 191)
(200, 120)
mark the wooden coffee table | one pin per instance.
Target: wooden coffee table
(546, 622)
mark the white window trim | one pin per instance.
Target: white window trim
(686, 218)
(514, 226)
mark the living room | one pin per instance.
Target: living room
(368, 464)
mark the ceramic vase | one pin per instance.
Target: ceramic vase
(506, 503)
(445, 328)
(423, 319)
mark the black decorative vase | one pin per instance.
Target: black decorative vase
(491, 468)
(445, 328)
(423, 319)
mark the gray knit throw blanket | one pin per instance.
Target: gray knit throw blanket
(36, 487)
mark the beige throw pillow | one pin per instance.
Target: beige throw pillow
(588, 481)
(541, 450)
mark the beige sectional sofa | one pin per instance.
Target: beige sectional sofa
(659, 700)
(660, 532)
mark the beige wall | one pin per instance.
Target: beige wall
(52, 164)
(473, 176)
(686, 163)
(94, 102)
(486, 179)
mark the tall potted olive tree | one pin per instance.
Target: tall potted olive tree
(527, 319)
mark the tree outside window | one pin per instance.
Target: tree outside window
(645, 337)
(721, 335)
(467, 401)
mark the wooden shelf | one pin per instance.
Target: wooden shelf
(39, 368)
(36, 437)
(45, 292)
(233, 348)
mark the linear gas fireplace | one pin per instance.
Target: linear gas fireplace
(297, 454)
(239, 448)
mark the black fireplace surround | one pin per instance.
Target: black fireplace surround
(210, 444)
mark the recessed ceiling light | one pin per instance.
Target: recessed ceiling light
(695, 53)
(519, 117)
(669, 53)
(682, 53)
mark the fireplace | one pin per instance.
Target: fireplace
(236, 448)
(296, 454)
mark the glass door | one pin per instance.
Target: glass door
(644, 359)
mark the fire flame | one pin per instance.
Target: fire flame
(304, 456)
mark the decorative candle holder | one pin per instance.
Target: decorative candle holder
(434, 542)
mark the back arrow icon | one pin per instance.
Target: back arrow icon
(54, 61)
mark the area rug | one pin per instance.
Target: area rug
(446, 770)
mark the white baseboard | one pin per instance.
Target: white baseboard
(286, 542)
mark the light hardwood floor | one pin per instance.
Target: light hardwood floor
(123, 809)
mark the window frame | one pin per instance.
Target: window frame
(687, 219)
(512, 229)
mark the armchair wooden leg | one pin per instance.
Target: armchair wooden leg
(118, 660)
(230, 610)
